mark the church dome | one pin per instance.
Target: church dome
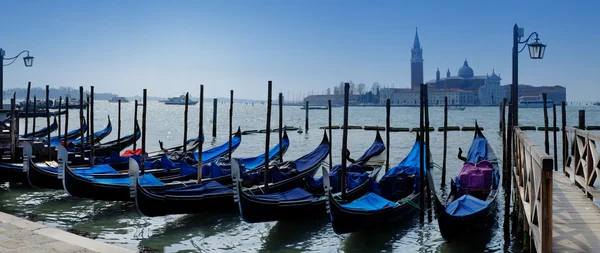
(465, 71)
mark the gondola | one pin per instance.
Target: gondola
(115, 185)
(309, 201)
(96, 137)
(41, 114)
(72, 135)
(473, 192)
(42, 132)
(391, 199)
(44, 174)
(216, 193)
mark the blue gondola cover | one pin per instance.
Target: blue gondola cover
(466, 205)
(369, 202)
(478, 150)
(210, 187)
(291, 195)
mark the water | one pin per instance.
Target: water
(120, 223)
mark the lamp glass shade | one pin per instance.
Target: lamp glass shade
(28, 60)
(536, 50)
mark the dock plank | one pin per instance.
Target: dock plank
(575, 218)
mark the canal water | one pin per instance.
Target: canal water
(119, 222)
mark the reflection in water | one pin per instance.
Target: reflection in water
(120, 223)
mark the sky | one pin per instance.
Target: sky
(171, 47)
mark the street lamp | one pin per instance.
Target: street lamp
(536, 51)
(28, 60)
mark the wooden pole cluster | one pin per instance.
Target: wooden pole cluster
(387, 134)
(422, 156)
(200, 132)
(546, 138)
(48, 121)
(344, 138)
(330, 136)
(565, 148)
(280, 127)
(27, 107)
(268, 134)
(306, 123)
(135, 113)
(554, 135)
(444, 156)
(185, 121)
(214, 129)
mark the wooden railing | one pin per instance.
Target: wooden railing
(533, 175)
(582, 163)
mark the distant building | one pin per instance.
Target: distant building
(555, 93)
(416, 64)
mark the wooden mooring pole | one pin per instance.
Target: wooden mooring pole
(554, 130)
(144, 105)
(503, 137)
(306, 122)
(200, 132)
(445, 151)
(27, 108)
(280, 127)
(66, 122)
(119, 123)
(429, 164)
(231, 122)
(508, 181)
(185, 121)
(565, 148)
(34, 112)
(91, 123)
(387, 134)
(268, 133)
(421, 157)
(59, 116)
(81, 121)
(13, 129)
(546, 138)
(135, 113)
(87, 116)
(344, 137)
(330, 136)
(581, 119)
(48, 121)
(214, 130)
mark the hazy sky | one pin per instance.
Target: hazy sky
(171, 47)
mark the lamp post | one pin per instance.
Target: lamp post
(536, 51)
(28, 60)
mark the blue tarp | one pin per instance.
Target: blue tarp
(410, 166)
(251, 163)
(291, 195)
(478, 150)
(309, 160)
(369, 202)
(145, 180)
(466, 205)
(355, 176)
(376, 149)
(97, 169)
(216, 152)
(210, 187)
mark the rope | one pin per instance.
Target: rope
(410, 202)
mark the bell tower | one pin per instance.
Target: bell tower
(416, 64)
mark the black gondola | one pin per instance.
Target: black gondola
(116, 186)
(216, 194)
(392, 199)
(42, 132)
(473, 192)
(309, 201)
(41, 114)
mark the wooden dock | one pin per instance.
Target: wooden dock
(556, 205)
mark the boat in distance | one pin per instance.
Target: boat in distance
(116, 100)
(178, 101)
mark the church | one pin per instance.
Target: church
(463, 89)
